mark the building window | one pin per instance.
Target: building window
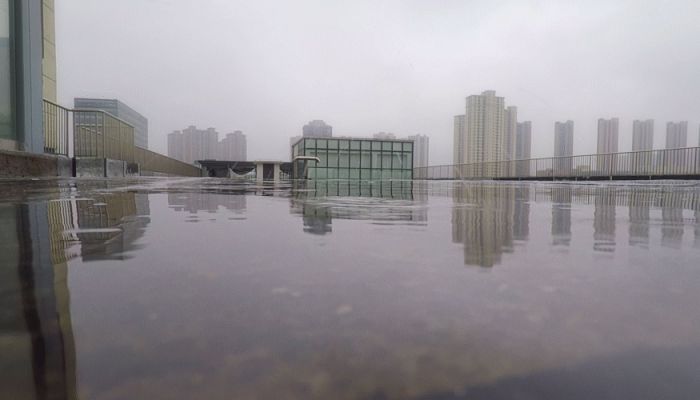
(7, 117)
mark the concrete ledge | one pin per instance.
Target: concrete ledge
(114, 168)
(16, 164)
(90, 167)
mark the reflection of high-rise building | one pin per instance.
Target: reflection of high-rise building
(317, 128)
(639, 201)
(563, 147)
(608, 133)
(672, 219)
(561, 215)
(604, 220)
(486, 231)
(209, 202)
(521, 213)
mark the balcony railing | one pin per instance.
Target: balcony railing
(681, 162)
(98, 134)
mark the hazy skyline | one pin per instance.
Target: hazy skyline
(269, 67)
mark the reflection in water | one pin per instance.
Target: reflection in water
(521, 213)
(561, 215)
(672, 220)
(382, 202)
(604, 220)
(482, 220)
(36, 338)
(639, 202)
(194, 202)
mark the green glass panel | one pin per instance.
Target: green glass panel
(397, 146)
(408, 147)
(355, 145)
(376, 174)
(376, 145)
(344, 159)
(332, 173)
(376, 160)
(396, 174)
(366, 145)
(323, 156)
(343, 173)
(407, 174)
(312, 173)
(321, 173)
(321, 143)
(386, 145)
(407, 160)
(354, 174)
(354, 159)
(386, 160)
(366, 159)
(344, 144)
(7, 118)
(396, 161)
(332, 158)
(386, 174)
(332, 144)
(365, 174)
(310, 143)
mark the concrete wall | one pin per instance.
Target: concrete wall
(15, 164)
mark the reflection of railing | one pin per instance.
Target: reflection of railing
(639, 164)
(99, 134)
(56, 128)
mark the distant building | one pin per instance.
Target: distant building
(233, 147)
(642, 135)
(608, 134)
(421, 150)
(384, 135)
(317, 128)
(121, 111)
(483, 136)
(563, 146)
(458, 140)
(523, 147)
(192, 144)
(676, 135)
(643, 140)
(511, 126)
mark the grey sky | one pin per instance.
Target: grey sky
(268, 67)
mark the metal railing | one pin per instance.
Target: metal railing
(56, 120)
(637, 164)
(98, 134)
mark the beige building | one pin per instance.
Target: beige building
(49, 51)
(642, 135)
(483, 136)
(421, 150)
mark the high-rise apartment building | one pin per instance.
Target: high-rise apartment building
(511, 126)
(317, 128)
(121, 111)
(483, 134)
(458, 140)
(642, 135)
(643, 141)
(421, 147)
(192, 144)
(676, 135)
(563, 146)
(233, 147)
(523, 147)
(608, 134)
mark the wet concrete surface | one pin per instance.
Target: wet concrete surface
(209, 288)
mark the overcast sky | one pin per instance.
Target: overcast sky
(268, 67)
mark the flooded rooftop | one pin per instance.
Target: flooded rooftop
(212, 289)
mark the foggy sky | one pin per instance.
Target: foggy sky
(268, 67)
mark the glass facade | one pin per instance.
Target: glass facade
(362, 159)
(7, 120)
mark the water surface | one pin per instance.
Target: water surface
(206, 288)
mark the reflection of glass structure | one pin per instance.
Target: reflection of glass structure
(36, 334)
(482, 219)
(314, 201)
(521, 213)
(639, 202)
(349, 158)
(672, 218)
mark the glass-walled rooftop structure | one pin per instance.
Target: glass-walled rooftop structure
(353, 158)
